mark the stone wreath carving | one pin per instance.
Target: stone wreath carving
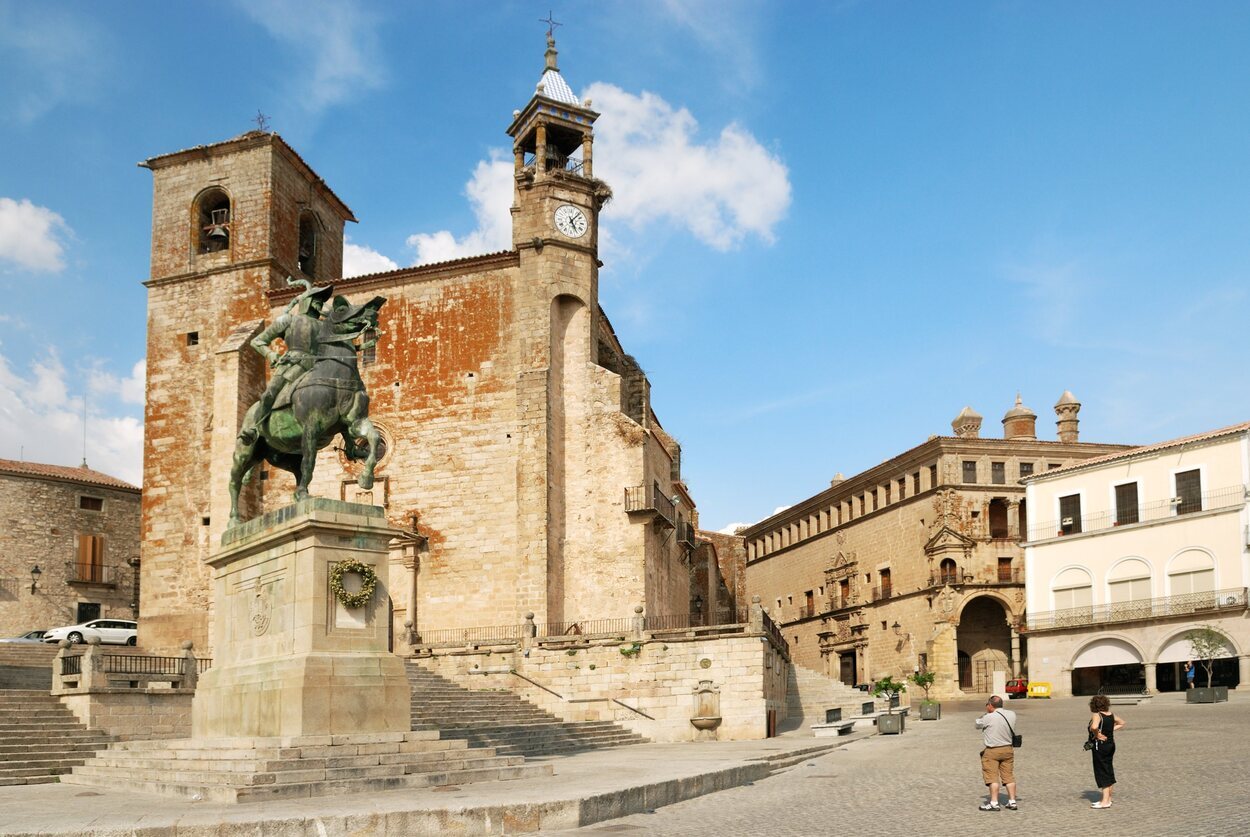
(368, 581)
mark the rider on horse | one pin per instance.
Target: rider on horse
(299, 329)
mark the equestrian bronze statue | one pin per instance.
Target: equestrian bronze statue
(315, 393)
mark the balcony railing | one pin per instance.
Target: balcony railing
(1185, 604)
(685, 534)
(1144, 513)
(648, 498)
(555, 162)
(882, 593)
(76, 573)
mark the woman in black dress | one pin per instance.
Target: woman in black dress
(1103, 725)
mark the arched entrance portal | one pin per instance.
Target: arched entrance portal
(985, 642)
(1107, 664)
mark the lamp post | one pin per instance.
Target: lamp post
(35, 572)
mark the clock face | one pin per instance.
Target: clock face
(571, 221)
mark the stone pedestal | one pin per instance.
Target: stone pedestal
(289, 658)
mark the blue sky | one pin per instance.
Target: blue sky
(835, 223)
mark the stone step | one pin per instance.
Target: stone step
(12, 752)
(29, 780)
(177, 784)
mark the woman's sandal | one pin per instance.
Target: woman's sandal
(1099, 805)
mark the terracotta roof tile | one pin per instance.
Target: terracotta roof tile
(62, 472)
(1131, 453)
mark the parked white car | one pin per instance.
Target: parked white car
(110, 632)
(29, 636)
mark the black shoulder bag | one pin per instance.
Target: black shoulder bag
(1016, 740)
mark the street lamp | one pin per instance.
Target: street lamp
(35, 572)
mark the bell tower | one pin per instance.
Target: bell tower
(556, 199)
(230, 221)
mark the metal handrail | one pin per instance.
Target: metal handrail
(88, 573)
(648, 498)
(1219, 498)
(586, 627)
(1134, 610)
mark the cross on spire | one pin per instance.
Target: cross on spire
(262, 121)
(551, 24)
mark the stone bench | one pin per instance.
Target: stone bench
(830, 730)
(1128, 700)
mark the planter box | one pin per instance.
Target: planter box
(930, 711)
(1215, 694)
(890, 724)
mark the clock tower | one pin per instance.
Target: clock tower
(556, 199)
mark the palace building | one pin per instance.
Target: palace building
(522, 458)
(916, 563)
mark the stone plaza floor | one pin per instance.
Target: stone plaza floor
(1181, 770)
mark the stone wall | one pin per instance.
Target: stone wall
(657, 676)
(42, 521)
(134, 714)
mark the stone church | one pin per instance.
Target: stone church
(522, 459)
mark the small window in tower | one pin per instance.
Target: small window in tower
(369, 348)
(213, 221)
(308, 244)
(193, 338)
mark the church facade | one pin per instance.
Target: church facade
(522, 461)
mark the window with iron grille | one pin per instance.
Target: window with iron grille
(915, 483)
(1004, 569)
(1189, 490)
(1126, 510)
(91, 503)
(1026, 469)
(998, 473)
(970, 471)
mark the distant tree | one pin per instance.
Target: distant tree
(1206, 643)
(924, 679)
(888, 687)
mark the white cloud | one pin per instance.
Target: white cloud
(30, 235)
(41, 421)
(490, 195)
(129, 390)
(732, 528)
(721, 192)
(335, 44)
(359, 260)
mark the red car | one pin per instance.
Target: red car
(1017, 689)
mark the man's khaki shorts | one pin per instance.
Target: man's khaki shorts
(998, 765)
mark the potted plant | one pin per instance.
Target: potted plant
(930, 710)
(1207, 643)
(889, 723)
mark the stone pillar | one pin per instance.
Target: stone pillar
(540, 149)
(91, 676)
(755, 619)
(1243, 669)
(190, 667)
(640, 622)
(1015, 652)
(1152, 683)
(1013, 519)
(290, 659)
(586, 156)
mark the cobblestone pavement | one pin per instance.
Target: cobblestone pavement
(1182, 770)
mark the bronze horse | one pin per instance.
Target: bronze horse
(328, 400)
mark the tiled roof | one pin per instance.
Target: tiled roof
(555, 87)
(1133, 453)
(61, 472)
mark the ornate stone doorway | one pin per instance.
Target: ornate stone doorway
(984, 642)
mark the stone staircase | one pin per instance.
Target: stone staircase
(40, 739)
(259, 769)
(503, 720)
(809, 694)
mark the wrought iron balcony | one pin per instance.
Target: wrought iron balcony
(882, 593)
(644, 499)
(685, 534)
(76, 573)
(1220, 498)
(1185, 604)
